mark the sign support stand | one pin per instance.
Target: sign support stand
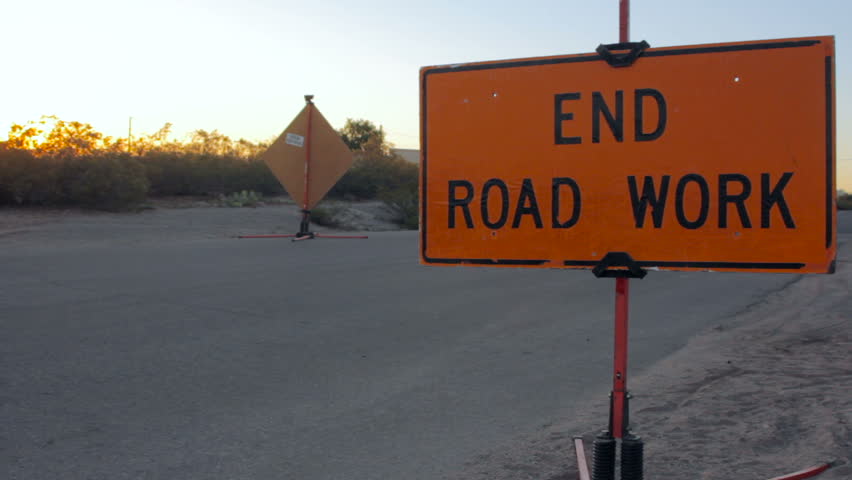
(622, 267)
(305, 232)
(632, 447)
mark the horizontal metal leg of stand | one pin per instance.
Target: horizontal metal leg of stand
(267, 236)
(305, 237)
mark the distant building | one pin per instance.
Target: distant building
(408, 154)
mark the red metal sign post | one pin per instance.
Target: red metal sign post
(622, 290)
(304, 228)
(622, 298)
(624, 21)
(619, 380)
(605, 444)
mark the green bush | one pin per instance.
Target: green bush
(255, 175)
(374, 172)
(168, 173)
(326, 215)
(377, 174)
(172, 173)
(245, 198)
(109, 182)
(844, 202)
(29, 180)
(404, 202)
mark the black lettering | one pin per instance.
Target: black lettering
(616, 123)
(463, 203)
(575, 212)
(705, 201)
(527, 195)
(768, 199)
(504, 200)
(561, 116)
(738, 200)
(649, 196)
(639, 122)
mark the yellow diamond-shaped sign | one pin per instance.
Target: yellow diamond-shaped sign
(308, 158)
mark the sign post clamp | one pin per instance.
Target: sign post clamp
(634, 50)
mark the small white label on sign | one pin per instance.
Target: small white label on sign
(296, 140)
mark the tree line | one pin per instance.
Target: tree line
(52, 162)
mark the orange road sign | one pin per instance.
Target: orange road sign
(308, 149)
(707, 157)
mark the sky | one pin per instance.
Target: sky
(242, 67)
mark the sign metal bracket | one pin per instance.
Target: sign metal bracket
(631, 52)
(618, 265)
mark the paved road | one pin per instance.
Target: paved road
(263, 359)
(844, 222)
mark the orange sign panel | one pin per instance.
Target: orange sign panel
(309, 149)
(708, 157)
